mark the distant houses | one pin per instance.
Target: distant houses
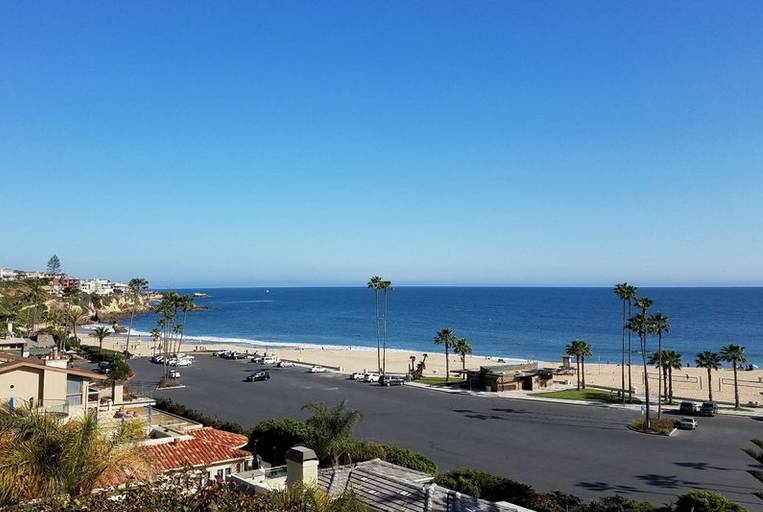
(60, 282)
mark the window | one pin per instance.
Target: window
(227, 472)
(220, 474)
(73, 390)
(238, 467)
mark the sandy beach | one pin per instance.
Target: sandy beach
(688, 382)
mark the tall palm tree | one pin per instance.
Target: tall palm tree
(385, 287)
(186, 305)
(45, 456)
(621, 292)
(659, 324)
(35, 295)
(462, 347)
(135, 287)
(100, 333)
(74, 316)
(331, 429)
(585, 351)
(711, 361)
(373, 283)
(580, 349)
(640, 325)
(627, 294)
(446, 338)
(734, 354)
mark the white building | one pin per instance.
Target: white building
(8, 274)
(97, 286)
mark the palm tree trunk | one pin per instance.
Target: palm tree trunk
(659, 375)
(384, 349)
(670, 385)
(648, 421)
(378, 336)
(622, 362)
(577, 365)
(736, 387)
(709, 385)
(630, 350)
(129, 327)
(100, 343)
(582, 361)
(447, 366)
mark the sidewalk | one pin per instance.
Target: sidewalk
(527, 395)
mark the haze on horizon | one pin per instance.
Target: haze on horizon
(286, 143)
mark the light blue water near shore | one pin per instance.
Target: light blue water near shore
(532, 323)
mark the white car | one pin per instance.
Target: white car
(157, 359)
(285, 364)
(269, 360)
(220, 353)
(317, 369)
(180, 362)
(371, 377)
(173, 374)
(358, 376)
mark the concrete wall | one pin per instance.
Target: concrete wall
(22, 384)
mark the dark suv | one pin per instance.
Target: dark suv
(391, 380)
(258, 376)
(688, 408)
(708, 409)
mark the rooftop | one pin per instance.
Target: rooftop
(200, 447)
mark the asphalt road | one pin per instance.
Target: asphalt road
(587, 451)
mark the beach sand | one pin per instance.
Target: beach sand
(689, 383)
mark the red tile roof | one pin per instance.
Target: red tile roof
(208, 446)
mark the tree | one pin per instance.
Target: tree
(672, 362)
(640, 325)
(373, 284)
(44, 456)
(100, 333)
(385, 287)
(331, 429)
(54, 265)
(711, 361)
(34, 296)
(626, 293)
(659, 324)
(705, 501)
(186, 305)
(580, 349)
(74, 316)
(446, 338)
(135, 288)
(734, 354)
(462, 347)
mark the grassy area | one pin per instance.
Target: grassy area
(589, 395)
(439, 381)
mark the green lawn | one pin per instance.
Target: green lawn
(439, 381)
(590, 395)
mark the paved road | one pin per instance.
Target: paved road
(582, 450)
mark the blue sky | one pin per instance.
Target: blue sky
(542, 143)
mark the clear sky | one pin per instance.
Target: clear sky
(507, 142)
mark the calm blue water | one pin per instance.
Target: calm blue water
(531, 323)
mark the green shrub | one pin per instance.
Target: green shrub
(706, 501)
(359, 451)
(663, 426)
(271, 439)
(488, 487)
(409, 459)
(119, 369)
(173, 407)
(619, 504)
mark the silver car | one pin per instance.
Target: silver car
(687, 424)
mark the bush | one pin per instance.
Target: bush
(619, 504)
(119, 369)
(95, 354)
(663, 426)
(173, 407)
(359, 451)
(271, 439)
(409, 459)
(488, 487)
(706, 501)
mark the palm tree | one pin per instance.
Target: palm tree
(373, 283)
(35, 295)
(672, 361)
(100, 333)
(580, 349)
(331, 429)
(446, 338)
(659, 324)
(734, 354)
(711, 361)
(640, 325)
(186, 305)
(135, 287)
(462, 347)
(44, 455)
(74, 316)
(626, 293)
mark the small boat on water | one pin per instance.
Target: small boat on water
(199, 295)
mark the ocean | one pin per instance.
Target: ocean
(515, 322)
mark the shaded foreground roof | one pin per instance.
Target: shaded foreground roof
(386, 487)
(207, 446)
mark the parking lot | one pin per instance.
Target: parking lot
(587, 451)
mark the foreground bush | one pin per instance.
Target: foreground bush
(409, 459)
(706, 501)
(271, 439)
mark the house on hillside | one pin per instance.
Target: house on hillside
(382, 486)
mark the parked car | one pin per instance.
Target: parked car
(157, 359)
(358, 376)
(173, 374)
(180, 362)
(103, 367)
(687, 424)
(220, 353)
(285, 364)
(689, 408)
(391, 380)
(708, 409)
(263, 375)
(317, 369)
(371, 377)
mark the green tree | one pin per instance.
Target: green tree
(705, 501)
(135, 288)
(639, 324)
(580, 349)
(100, 333)
(385, 287)
(34, 295)
(74, 316)
(711, 361)
(672, 361)
(626, 293)
(734, 354)
(44, 456)
(446, 338)
(331, 429)
(54, 265)
(373, 284)
(463, 348)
